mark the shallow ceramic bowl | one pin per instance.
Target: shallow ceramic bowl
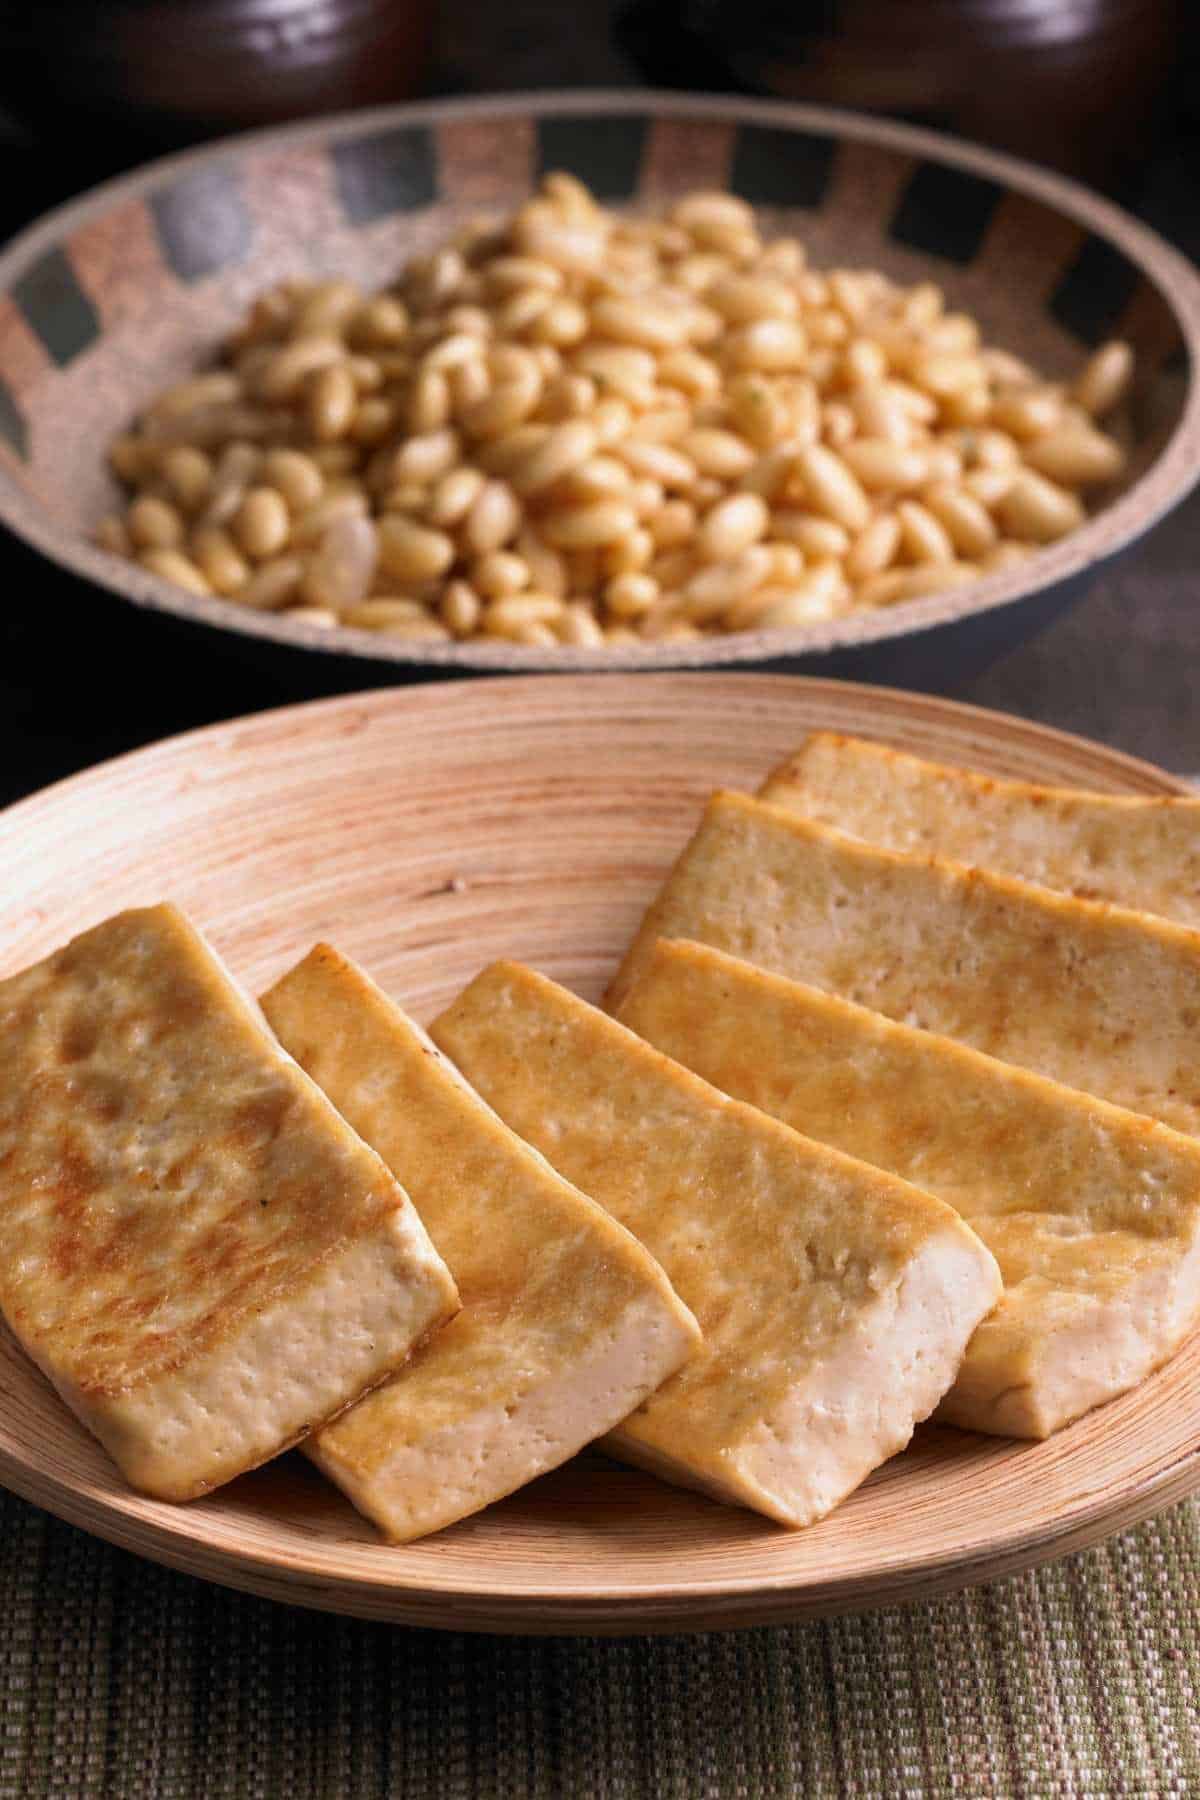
(119, 293)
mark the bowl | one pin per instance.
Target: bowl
(111, 297)
(427, 830)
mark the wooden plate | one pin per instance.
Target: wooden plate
(427, 831)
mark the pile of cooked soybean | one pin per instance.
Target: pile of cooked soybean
(577, 427)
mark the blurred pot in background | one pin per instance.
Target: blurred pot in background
(167, 72)
(1069, 82)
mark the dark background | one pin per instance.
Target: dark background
(83, 676)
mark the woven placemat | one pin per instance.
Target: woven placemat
(122, 1679)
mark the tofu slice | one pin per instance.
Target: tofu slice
(1092, 1213)
(1137, 852)
(199, 1253)
(567, 1325)
(1094, 996)
(836, 1301)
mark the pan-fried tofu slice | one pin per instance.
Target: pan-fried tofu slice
(199, 1253)
(836, 1301)
(1094, 996)
(1092, 1213)
(567, 1325)
(1134, 851)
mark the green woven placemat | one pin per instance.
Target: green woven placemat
(121, 1679)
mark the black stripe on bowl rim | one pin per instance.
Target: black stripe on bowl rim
(1095, 291)
(202, 221)
(775, 166)
(387, 172)
(56, 308)
(13, 429)
(945, 212)
(604, 153)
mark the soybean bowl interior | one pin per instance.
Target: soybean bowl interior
(134, 289)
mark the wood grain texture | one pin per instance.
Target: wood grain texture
(425, 832)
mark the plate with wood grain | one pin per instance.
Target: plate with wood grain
(426, 832)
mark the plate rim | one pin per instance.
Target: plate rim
(1139, 768)
(659, 1602)
(527, 1607)
(1169, 478)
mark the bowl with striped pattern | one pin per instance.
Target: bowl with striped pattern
(132, 287)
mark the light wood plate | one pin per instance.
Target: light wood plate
(426, 832)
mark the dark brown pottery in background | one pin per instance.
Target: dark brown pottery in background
(170, 71)
(1074, 85)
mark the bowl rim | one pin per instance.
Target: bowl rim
(1161, 486)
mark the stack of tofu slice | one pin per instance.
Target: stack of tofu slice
(883, 1120)
(211, 1263)
(1017, 1038)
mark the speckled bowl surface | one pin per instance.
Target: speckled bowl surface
(133, 286)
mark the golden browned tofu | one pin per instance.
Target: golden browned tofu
(1094, 996)
(836, 1302)
(199, 1253)
(567, 1325)
(1134, 851)
(1092, 1213)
